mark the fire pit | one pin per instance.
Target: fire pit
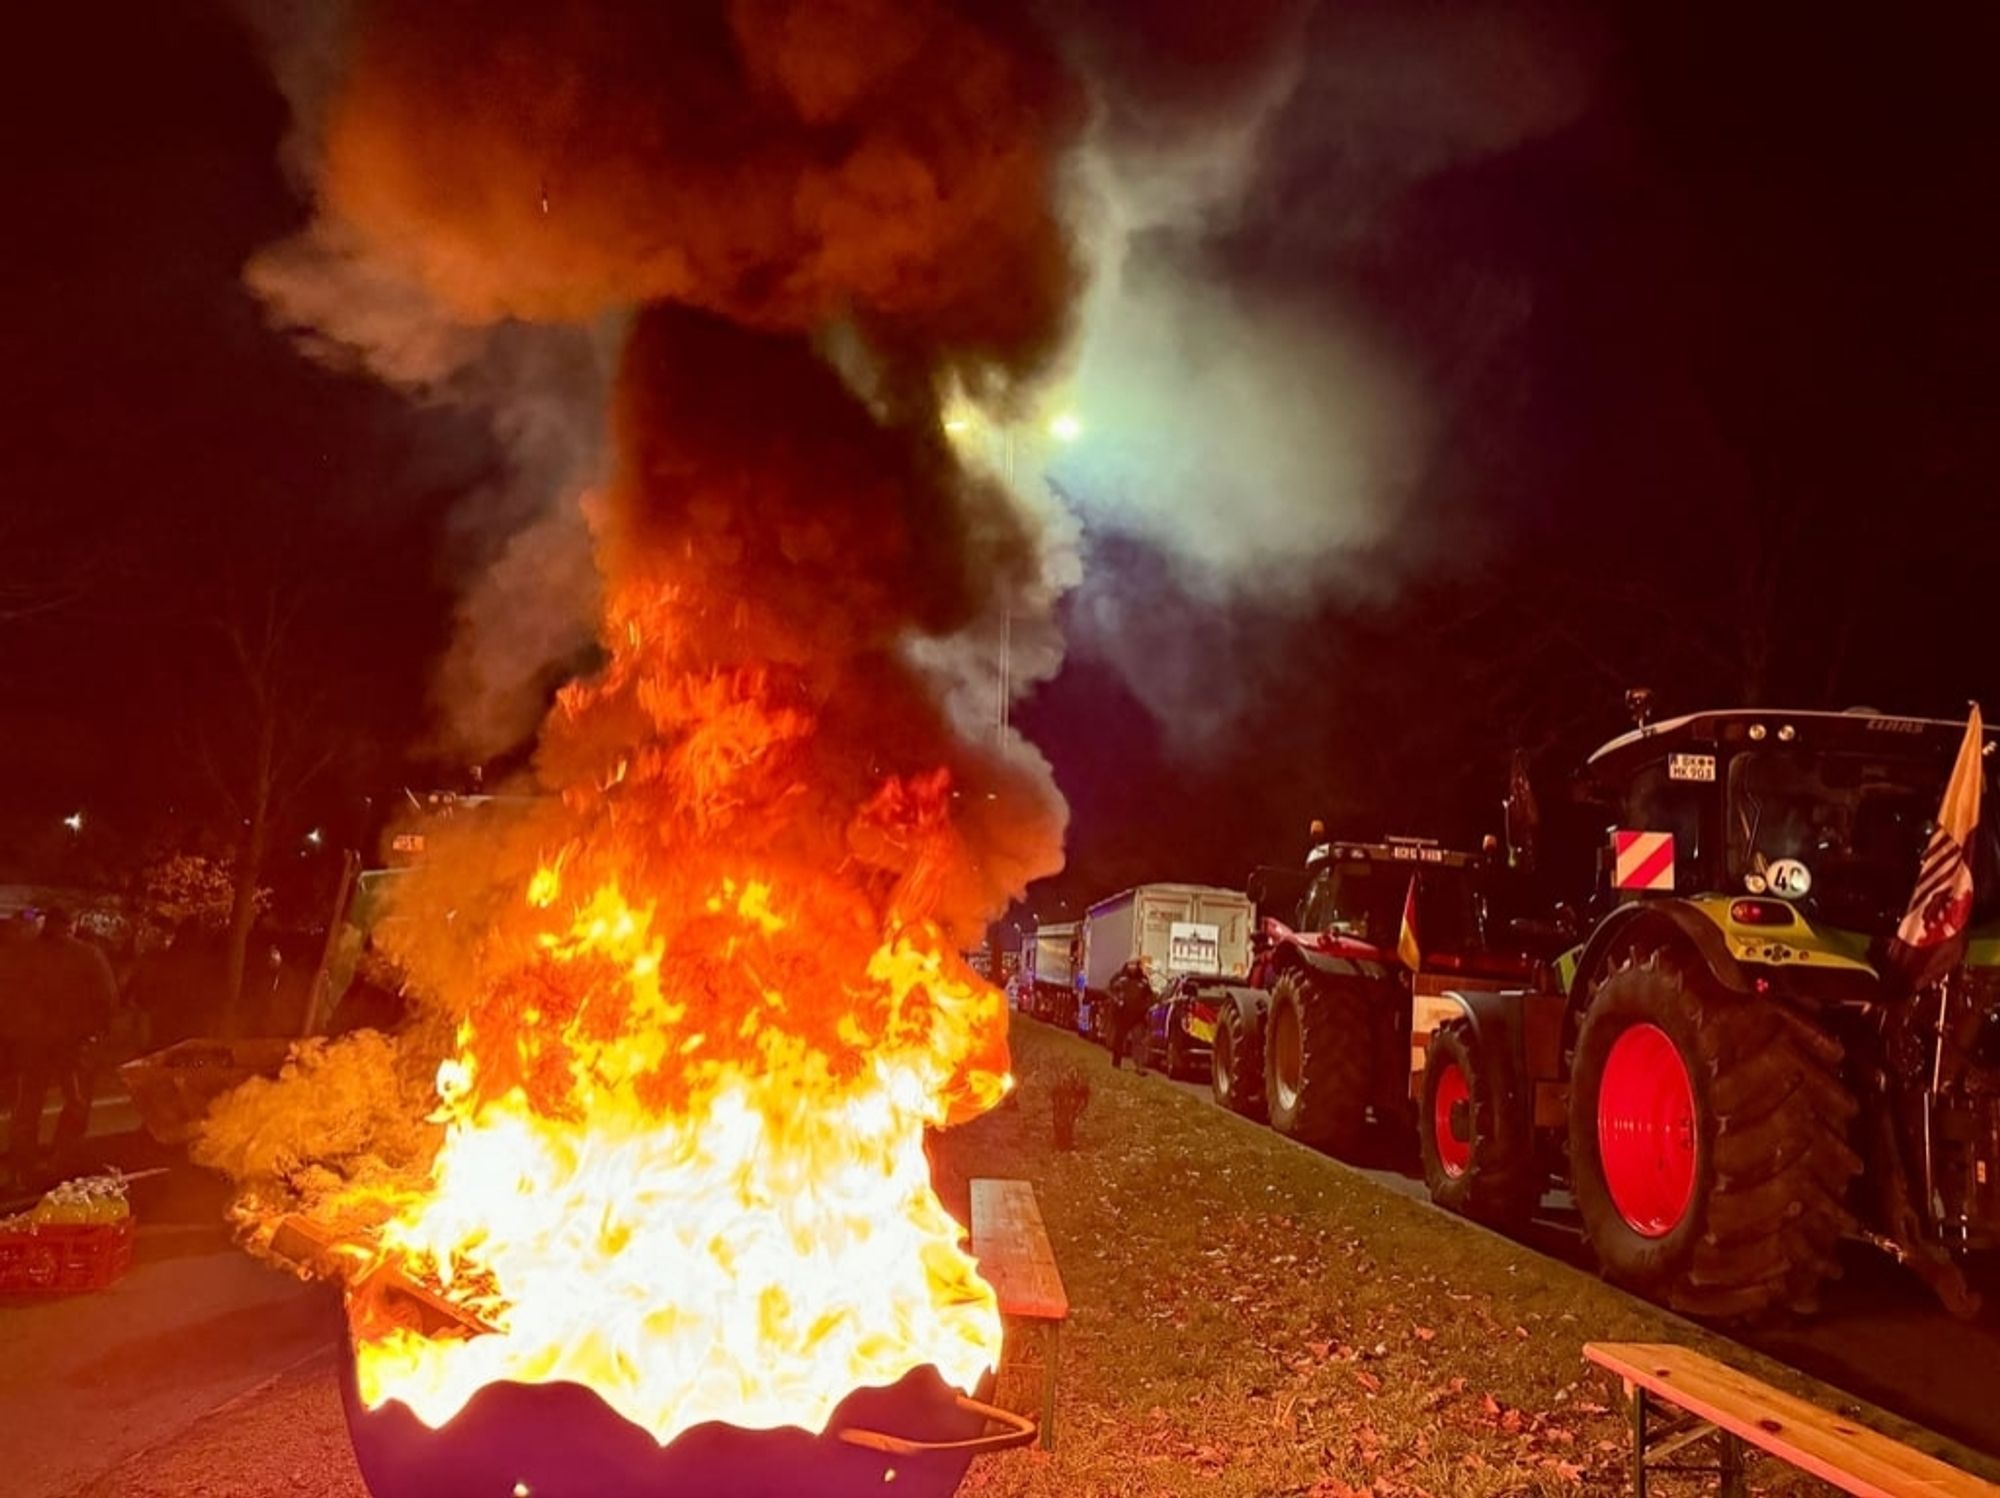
(561, 1441)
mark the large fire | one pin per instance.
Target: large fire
(702, 988)
(683, 1160)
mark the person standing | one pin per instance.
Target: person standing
(72, 997)
(1131, 997)
(18, 1015)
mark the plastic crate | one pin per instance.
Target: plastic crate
(64, 1258)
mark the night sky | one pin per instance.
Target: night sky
(1708, 358)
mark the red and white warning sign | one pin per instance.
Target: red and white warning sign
(1645, 860)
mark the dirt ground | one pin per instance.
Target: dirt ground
(1249, 1321)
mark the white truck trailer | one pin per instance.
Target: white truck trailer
(1183, 928)
(1048, 972)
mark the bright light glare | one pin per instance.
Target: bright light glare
(1066, 428)
(74, 821)
(957, 424)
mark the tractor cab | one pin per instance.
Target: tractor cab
(1351, 897)
(1827, 812)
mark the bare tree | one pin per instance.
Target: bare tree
(262, 748)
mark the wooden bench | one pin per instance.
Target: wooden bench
(1014, 1256)
(1736, 1409)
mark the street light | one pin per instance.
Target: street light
(1064, 427)
(74, 821)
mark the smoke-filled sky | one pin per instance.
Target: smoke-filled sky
(1440, 371)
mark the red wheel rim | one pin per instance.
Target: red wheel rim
(1646, 1130)
(1453, 1153)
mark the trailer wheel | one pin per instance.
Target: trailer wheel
(1316, 1073)
(1236, 1061)
(1708, 1139)
(1469, 1168)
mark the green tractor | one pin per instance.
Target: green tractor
(1721, 1057)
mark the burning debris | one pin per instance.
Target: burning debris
(341, 1134)
(704, 995)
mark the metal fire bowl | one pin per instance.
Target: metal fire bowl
(562, 1441)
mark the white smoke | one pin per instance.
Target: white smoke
(1259, 442)
(1262, 435)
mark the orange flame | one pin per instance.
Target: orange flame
(683, 1158)
(698, 1225)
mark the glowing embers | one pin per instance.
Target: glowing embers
(683, 1166)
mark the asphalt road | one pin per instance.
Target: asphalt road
(88, 1381)
(1880, 1333)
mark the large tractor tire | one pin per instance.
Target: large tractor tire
(1236, 1061)
(1317, 1041)
(1708, 1140)
(1470, 1166)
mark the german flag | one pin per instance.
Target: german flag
(1406, 939)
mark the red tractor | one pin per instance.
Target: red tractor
(1319, 1041)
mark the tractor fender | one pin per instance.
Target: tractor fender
(1249, 1002)
(1498, 1035)
(1499, 1025)
(1329, 966)
(1681, 919)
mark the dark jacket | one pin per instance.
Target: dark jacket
(1131, 994)
(71, 993)
(20, 1012)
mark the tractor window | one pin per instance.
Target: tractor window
(1357, 899)
(1449, 917)
(1654, 802)
(1858, 823)
(1320, 909)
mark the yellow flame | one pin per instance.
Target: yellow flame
(752, 1253)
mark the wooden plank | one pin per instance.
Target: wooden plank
(1012, 1247)
(1851, 1457)
(357, 1262)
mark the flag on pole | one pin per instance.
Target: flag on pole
(1941, 905)
(1406, 939)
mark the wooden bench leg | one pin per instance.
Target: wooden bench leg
(1729, 1468)
(1051, 1347)
(1733, 1485)
(1638, 1397)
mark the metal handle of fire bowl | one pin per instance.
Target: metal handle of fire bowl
(1019, 1431)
